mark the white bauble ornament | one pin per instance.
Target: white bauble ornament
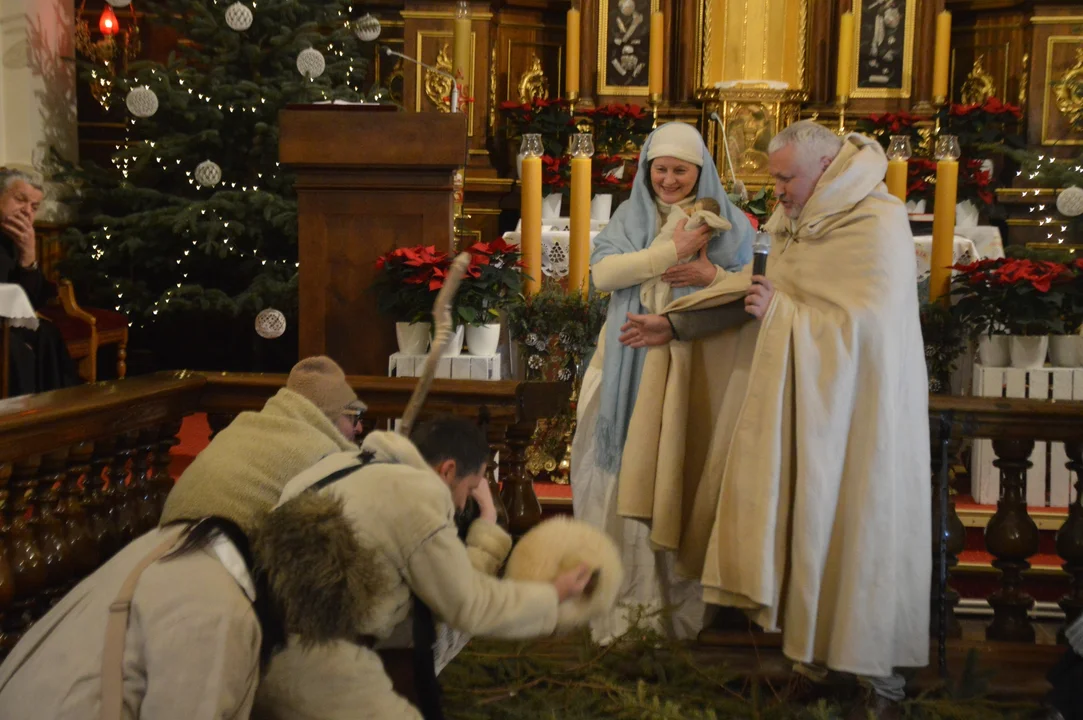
(239, 16)
(367, 28)
(1070, 201)
(120, 3)
(208, 173)
(142, 102)
(310, 63)
(270, 323)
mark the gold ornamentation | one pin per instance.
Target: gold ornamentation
(533, 85)
(978, 86)
(1024, 80)
(492, 91)
(1070, 91)
(438, 87)
(396, 73)
(802, 38)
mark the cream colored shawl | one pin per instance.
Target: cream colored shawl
(804, 498)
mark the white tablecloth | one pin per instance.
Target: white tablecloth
(554, 250)
(16, 307)
(986, 239)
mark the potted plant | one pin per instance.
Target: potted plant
(1066, 349)
(618, 128)
(977, 310)
(407, 280)
(492, 282)
(943, 340)
(556, 331)
(552, 119)
(1031, 303)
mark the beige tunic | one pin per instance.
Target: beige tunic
(191, 651)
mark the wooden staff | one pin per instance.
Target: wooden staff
(442, 321)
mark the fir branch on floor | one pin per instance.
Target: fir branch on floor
(643, 676)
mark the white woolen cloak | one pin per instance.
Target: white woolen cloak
(807, 500)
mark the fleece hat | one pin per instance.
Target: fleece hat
(677, 140)
(321, 381)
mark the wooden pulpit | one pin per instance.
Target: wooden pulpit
(367, 182)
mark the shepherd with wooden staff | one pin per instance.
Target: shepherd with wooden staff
(386, 503)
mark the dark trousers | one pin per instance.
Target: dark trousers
(1067, 680)
(39, 361)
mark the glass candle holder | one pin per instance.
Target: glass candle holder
(462, 9)
(531, 145)
(581, 145)
(947, 148)
(899, 149)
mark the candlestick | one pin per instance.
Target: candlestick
(942, 255)
(530, 201)
(898, 153)
(571, 70)
(657, 56)
(460, 62)
(941, 58)
(582, 147)
(846, 56)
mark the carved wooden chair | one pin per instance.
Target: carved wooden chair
(84, 329)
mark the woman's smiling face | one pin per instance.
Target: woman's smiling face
(673, 179)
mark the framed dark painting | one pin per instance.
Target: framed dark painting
(885, 48)
(624, 42)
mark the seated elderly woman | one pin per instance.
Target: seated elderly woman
(678, 232)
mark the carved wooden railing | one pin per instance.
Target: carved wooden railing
(1011, 536)
(85, 470)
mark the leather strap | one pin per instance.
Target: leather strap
(116, 628)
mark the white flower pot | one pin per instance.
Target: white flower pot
(519, 165)
(601, 207)
(413, 338)
(1028, 351)
(993, 350)
(455, 344)
(551, 206)
(482, 339)
(966, 214)
(915, 207)
(1066, 351)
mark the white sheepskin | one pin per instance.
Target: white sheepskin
(560, 544)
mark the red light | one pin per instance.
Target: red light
(108, 22)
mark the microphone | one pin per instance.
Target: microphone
(761, 246)
(454, 85)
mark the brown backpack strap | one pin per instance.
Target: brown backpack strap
(116, 628)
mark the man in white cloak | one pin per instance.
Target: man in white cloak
(809, 504)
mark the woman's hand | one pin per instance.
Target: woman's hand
(689, 242)
(700, 272)
(758, 297)
(645, 331)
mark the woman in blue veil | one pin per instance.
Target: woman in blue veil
(675, 170)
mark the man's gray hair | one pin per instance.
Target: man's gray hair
(8, 176)
(813, 140)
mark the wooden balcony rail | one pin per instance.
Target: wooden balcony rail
(85, 470)
(1011, 536)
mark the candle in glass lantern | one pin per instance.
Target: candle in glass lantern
(943, 255)
(582, 148)
(460, 58)
(898, 154)
(941, 57)
(657, 57)
(571, 72)
(846, 55)
(530, 201)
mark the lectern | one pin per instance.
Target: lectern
(367, 182)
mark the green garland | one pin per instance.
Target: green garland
(643, 676)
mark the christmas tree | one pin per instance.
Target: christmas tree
(192, 230)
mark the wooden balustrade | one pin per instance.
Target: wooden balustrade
(85, 470)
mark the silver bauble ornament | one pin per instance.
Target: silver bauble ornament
(310, 63)
(142, 102)
(367, 28)
(208, 173)
(270, 323)
(1070, 201)
(239, 16)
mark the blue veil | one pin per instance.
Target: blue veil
(633, 227)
